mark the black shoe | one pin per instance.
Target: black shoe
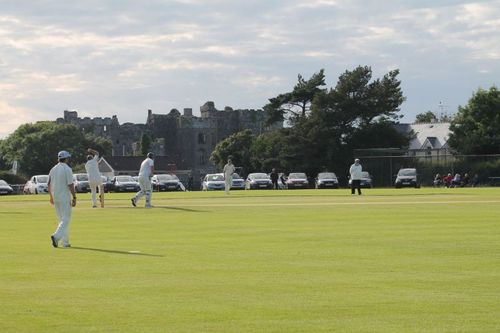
(54, 241)
(133, 202)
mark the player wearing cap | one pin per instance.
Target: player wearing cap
(145, 174)
(95, 178)
(62, 196)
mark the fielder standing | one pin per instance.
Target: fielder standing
(62, 196)
(95, 178)
(145, 173)
(228, 175)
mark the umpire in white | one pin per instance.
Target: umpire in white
(62, 196)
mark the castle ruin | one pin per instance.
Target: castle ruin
(187, 140)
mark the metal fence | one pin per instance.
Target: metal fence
(384, 169)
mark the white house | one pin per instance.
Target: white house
(429, 141)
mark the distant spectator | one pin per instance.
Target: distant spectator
(466, 180)
(475, 180)
(447, 180)
(274, 179)
(438, 181)
(190, 183)
(456, 181)
(283, 180)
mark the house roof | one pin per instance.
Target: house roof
(434, 134)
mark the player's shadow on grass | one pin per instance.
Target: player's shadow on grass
(131, 253)
(174, 208)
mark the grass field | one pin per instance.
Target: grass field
(425, 260)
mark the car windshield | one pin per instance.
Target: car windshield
(327, 175)
(407, 172)
(167, 177)
(82, 178)
(297, 175)
(258, 176)
(42, 179)
(212, 178)
(124, 179)
(365, 174)
(3, 183)
(236, 176)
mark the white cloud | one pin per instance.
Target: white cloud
(13, 116)
(107, 58)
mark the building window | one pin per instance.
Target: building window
(201, 138)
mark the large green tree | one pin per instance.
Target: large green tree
(35, 146)
(237, 146)
(475, 129)
(426, 117)
(145, 144)
(295, 105)
(327, 124)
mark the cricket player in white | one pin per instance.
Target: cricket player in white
(145, 174)
(95, 179)
(228, 175)
(62, 196)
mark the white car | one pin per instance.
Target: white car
(213, 181)
(37, 184)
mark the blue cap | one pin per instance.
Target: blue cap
(63, 154)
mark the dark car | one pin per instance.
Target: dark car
(5, 188)
(165, 182)
(327, 180)
(407, 178)
(297, 180)
(124, 184)
(366, 180)
(81, 181)
(257, 181)
(107, 182)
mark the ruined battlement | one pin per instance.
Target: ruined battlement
(188, 139)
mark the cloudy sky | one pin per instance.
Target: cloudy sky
(122, 57)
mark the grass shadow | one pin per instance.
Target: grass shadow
(166, 207)
(115, 251)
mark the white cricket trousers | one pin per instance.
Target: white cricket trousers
(228, 182)
(145, 185)
(63, 212)
(93, 186)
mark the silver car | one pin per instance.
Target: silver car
(37, 184)
(327, 180)
(212, 182)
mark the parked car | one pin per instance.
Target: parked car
(165, 182)
(327, 180)
(213, 181)
(407, 178)
(366, 180)
(124, 183)
(238, 182)
(258, 180)
(108, 184)
(37, 184)
(81, 181)
(297, 180)
(5, 188)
